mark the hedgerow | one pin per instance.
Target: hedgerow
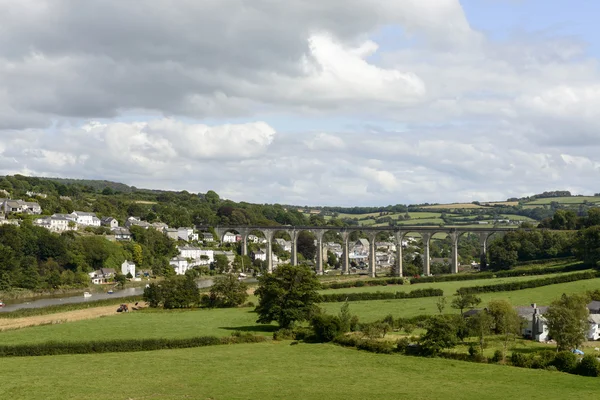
(118, 346)
(341, 297)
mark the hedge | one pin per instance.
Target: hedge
(500, 274)
(341, 297)
(509, 286)
(118, 346)
(362, 283)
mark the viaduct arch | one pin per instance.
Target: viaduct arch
(399, 233)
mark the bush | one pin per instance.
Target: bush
(326, 327)
(284, 334)
(520, 360)
(565, 361)
(543, 359)
(589, 366)
(376, 346)
(497, 357)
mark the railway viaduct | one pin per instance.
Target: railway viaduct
(426, 232)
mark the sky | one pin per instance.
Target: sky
(330, 102)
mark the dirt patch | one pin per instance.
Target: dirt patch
(59, 318)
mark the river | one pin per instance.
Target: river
(66, 299)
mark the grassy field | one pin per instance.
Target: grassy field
(564, 200)
(453, 206)
(222, 322)
(276, 371)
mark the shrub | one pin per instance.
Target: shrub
(340, 297)
(376, 346)
(543, 359)
(565, 361)
(284, 334)
(520, 360)
(497, 357)
(589, 366)
(326, 327)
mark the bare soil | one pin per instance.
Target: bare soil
(59, 318)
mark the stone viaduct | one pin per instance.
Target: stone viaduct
(426, 232)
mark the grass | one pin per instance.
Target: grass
(276, 371)
(564, 200)
(221, 322)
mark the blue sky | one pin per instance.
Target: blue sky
(381, 102)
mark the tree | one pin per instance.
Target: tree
(174, 292)
(226, 291)
(137, 254)
(506, 321)
(306, 245)
(568, 321)
(221, 263)
(588, 245)
(441, 304)
(441, 334)
(462, 301)
(120, 279)
(287, 295)
(480, 325)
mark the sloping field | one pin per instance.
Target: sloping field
(564, 200)
(277, 371)
(457, 206)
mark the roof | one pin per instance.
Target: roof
(595, 318)
(121, 231)
(207, 234)
(594, 306)
(189, 248)
(105, 271)
(470, 313)
(527, 312)
(363, 242)
(83, 214)
(178, 258)
(108, 219)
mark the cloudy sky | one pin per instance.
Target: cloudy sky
(328, 102)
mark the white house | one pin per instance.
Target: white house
(128, 267)
(259, 255)
(109, 222)
(229, 238)
(208, 237)
(180, 265)
(86, 218)
(186, 234)
(103, 275)
(20, 206)
(56, 223)
(594, 332)
(190, 252)
(536, 326)
(285, 245)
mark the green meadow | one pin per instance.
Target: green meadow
(276, 371)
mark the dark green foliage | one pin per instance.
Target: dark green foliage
(284, 334)
(440, 335)
(568, 321)
(339, 297)
(522, 245)
(326, 327)
(226, 291)
(175, 292)
(521, 360)
(589, 366)
(287, 295)
(118, 346)
(362, 283)
(588, 245)
(519, 285)
(373, 346)
(565, 361)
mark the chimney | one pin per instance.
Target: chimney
(534, 306)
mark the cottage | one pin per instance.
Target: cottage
(230, 238)
(536, 326)
(208, 237)
(186, 234)
(109, 222)
(20, 207)
(361, 246)
(172, 233)
(133, 221)
(56, 223)
(159, 226)
(180, 264)
(86, 218)
(594, 332)
(285, 244)
(259, 255)
(103, 275)
(128, 267)
(121, 233)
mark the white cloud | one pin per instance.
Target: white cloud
(448, 114)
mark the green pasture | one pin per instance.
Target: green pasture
(564, 200)
(222, 322)
(276, 371)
